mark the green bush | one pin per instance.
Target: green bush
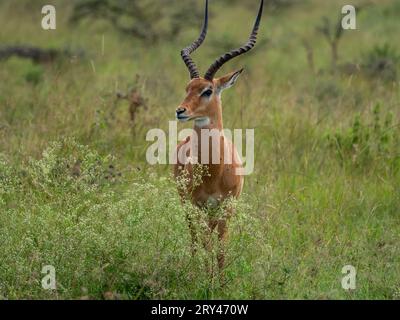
(34, 75)
(125, 237)
(375, 139)
(147, 20)
(381, 62)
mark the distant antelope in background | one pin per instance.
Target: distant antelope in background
(203, 105)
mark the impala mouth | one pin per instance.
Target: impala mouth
(182, 118)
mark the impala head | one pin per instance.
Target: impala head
(202, 97)
(203, 93)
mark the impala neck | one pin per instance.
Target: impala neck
(213, 120)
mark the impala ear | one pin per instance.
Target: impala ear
(228, 81)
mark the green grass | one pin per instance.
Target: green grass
(325, 192)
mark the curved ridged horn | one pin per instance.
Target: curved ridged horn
(237, 52)
(185, 53)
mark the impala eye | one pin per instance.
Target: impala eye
(207, 93)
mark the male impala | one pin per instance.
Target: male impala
(203, 105)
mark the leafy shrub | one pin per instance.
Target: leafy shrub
(34, 75)
(122, 238)
(66, 164)
(381, 62)
(149, 20)
(366, 141)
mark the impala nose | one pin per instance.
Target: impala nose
(180, 111)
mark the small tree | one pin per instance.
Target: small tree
(332, 34)
(148, 20)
